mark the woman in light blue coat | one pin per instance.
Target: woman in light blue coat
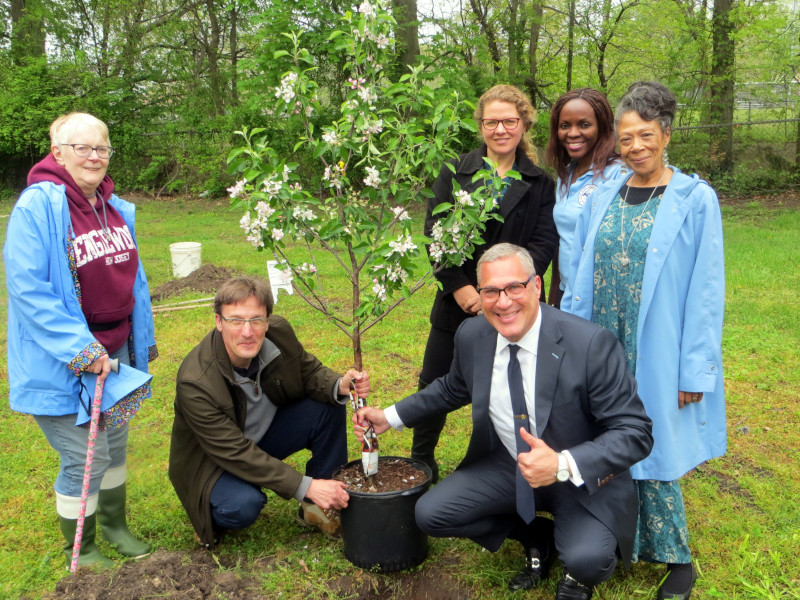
(648, 265)
(582, 151)
(77, 298)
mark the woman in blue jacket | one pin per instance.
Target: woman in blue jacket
(582, 151)
(648, 265)
(77, 298)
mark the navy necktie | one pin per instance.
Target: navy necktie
(525, 502)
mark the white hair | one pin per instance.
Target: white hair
(66, 126)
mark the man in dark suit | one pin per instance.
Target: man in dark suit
(557, 423)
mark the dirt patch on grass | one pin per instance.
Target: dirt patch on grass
(197, 576)
(785, 200)
(174, 575)
(428, 584)
(205, 280)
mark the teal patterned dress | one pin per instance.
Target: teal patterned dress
(620, 253)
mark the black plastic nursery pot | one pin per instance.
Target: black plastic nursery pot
(378, 528)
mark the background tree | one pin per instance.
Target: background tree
(722, 79)
(407, 36)
(175, 78)
(27, 27)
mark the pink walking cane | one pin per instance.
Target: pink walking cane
(87, 471)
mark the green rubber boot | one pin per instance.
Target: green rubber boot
(114, 526)
(90, 553)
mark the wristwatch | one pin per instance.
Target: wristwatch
(562, 474)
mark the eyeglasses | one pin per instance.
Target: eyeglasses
(256, 324)
(514, 291)
(84, 150)
(509, 124)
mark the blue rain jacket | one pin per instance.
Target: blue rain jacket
(679, 334)
(48, 336)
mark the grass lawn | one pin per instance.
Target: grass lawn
(742, 508)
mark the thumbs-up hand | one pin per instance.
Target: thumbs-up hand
(538, 466)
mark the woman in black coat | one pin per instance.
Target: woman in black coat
(505, 116)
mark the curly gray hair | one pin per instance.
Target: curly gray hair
(651, 100)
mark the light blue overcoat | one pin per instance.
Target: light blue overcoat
(48, 336)
(680, 320)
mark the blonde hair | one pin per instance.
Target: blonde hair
(65, 126)
(515, 96)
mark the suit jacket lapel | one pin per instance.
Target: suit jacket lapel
(548, 362)
(483, 363)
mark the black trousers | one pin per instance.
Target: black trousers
(478, 502)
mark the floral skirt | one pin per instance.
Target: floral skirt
(662, 535)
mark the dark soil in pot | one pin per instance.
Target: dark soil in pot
(394, 474)
(378, 527)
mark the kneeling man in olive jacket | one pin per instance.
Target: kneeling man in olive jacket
(247, 396)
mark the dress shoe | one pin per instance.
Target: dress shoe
(667, 589)
(536, 569)
(570, 588)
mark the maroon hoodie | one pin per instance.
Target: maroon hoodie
(106, 257)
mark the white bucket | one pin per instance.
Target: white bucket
(185, 258)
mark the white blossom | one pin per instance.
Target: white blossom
(379, 290)
(264, 210)
(464, 198)
(403, 244)
(437, 231)
(333, 174)
(277, 234)
(237, 189)
(397, 273)
(286, 89)
(330, 137)
(271, 187)
(373, 178)
(367, 95)
(401, 213)
(375, 127)
(304, 214)
(365, 8)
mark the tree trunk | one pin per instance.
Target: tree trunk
(722, 80)
(532, 81)
(605, 36)
(407, 35)
(214, 74)
(234, 54)
(482, 14)
(797, 146)
(27, 26)
(570, 43)
(513, 30)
